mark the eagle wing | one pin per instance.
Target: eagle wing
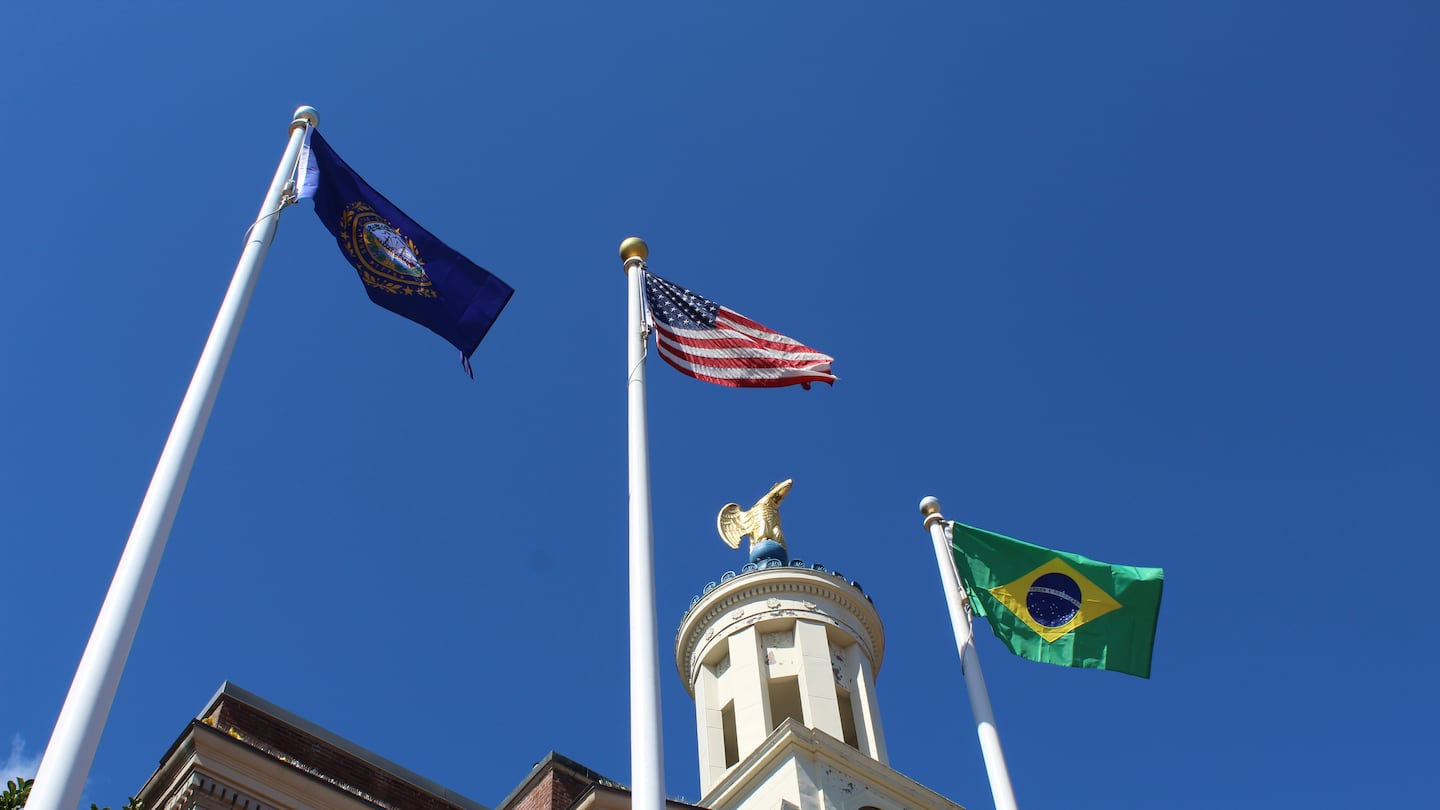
(731, 524)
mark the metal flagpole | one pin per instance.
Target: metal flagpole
(647, 762)
(66, 764)
(1000, 787)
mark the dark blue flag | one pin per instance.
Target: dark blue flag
(405, 269)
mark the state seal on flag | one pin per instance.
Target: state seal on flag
(387, 260)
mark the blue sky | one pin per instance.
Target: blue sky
(1149, 283)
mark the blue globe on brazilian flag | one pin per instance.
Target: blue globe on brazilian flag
(1060, 608)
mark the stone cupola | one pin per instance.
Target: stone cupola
(778, 640)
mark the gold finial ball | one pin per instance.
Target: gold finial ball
(634, 248)
(930, 506)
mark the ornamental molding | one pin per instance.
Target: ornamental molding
(780, 592)
(200, 786)
(847, 777)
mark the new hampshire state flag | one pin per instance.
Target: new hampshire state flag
(1060, 608)
(404, 268)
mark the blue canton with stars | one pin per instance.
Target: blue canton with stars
(676, 306)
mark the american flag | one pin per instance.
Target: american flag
(706, 341)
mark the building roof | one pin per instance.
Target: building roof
(559, 778)
(245, 718)
(560, 783)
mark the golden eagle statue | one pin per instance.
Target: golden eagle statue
(760, 522)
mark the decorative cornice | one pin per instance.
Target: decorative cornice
(200, 785)
(770, 565)
(792, 738)
(740, 600)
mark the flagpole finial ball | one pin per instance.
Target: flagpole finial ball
(930, 505)
(634, 248)
(308, 114)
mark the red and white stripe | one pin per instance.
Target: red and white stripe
(741, 353)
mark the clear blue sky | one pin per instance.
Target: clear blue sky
(1155, 284)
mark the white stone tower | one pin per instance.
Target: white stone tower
(781, 659)
(780, 642)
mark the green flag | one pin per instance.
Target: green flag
(1060, 608)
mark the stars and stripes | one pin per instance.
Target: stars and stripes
(704, 340)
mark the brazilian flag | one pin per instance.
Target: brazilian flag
(1060, 608)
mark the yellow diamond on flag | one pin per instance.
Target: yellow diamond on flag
(1055, 599)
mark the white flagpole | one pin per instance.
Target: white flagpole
(647, 761)
(1000, 787)
(67, 760)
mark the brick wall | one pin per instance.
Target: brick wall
(555, 784)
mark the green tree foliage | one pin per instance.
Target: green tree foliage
(17, 791)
